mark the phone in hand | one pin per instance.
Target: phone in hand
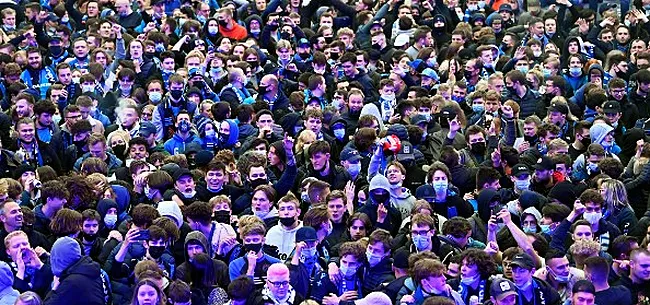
(142, 235)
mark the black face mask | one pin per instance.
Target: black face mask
(376, 46)
(329, 40)
(530, 139)
(88, 237)
(120, 151)
(585, 142)
(253, 247)
(221, 217)
(334, 56)
(273, 26)
(223, 23)
(253, 63)
(304, 56)
(263, 89)
(287, 221)
(479, 148)
(285, 35)
(176, 93)
(81, 145)
(156, 251)
(380, 198)
(257, 182)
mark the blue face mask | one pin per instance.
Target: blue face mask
(547, 72)
(457, 99)
(478, 108)
(354, 169)
(575, 71)
(184, 126)
(440, 186)
(421, 242)
(523, 69)
(339, 133)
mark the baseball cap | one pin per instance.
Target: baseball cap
(505, 7)
(430, 73)
(448, 112)
(523, 260)
(181, 172)
(56, 38)
(146, 129)
(350, 155)
(406, 152)
(611, 107)
(303, 42)
(401, 40)
(558, 107)
(520, 169)
(501, 288)
(544, 163)
(203, 157)
(306, 234)
(419, 119)
(192, 148)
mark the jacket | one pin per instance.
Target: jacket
(113, 162)
(282, 187)
(220, 269)
(82, 283)
(163, 117)
(373, 277)
(337, 176)
(527, 103)
(176, 145)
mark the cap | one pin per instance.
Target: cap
(146, 129)
(430, 73)
(544, 163)
(605, 7)
(56, 37)
(425, 192)
(192, 148)
(505, 7)
(376, 22)
(406, 152)
(52, 17)
(181, 172)
(418, 65)
(448, 112)
(611, 107)
(194, 72)
(350, 155)
(401, 40)
(399, 130)
(401, 258)
(523, 260)
(501, 288)
(583, 286)
(520, 169)
(559, 107)
(303, 41)
(306, 233)
(419, 119)
(23, 168)
(203, 157)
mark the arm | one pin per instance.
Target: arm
(73, 12)
(519, 236)
(270, 8)
(375, 163)
(344, 8)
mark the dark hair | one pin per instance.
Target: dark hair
(598, 268)
(143, 215)
(54, 189)
(199, 211)
(556, 211)
(486, 175)
(482, 260)
(456, 226)
(622, 245)
(241, 288)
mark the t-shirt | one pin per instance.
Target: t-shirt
(618, 295)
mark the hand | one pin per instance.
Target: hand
(454, 125)
(116, 235)
(31, 259)
(468, 196)
(395, 118)
(408, 299)
(578, 207)
(140, 180)
(40, 251)
(150, 26)
(507, 112)
(505, 216)
(55, 282)
(382, 212)
(520, 53)
(491, 248)
(130, 236)
(42, 15)
(334, 273)
(20, 265)
(64, 93)
(331, 299)
(496, 156)
(117, 29)
(287, 143)
(226, 245)
(583, 26)
(28, 184)
(349, 195)
(299, 246)
(292, 67)
(350, 295)
(623, 264)
(398, 70)
(524, 146)
(492, 224)
(251, 258)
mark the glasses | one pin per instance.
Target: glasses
(279, 284)
(421, 232)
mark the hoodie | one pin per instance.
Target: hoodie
(479, 220)
(82, 282)
(283, 239)
(394, 217)
(598, 132)
(8, 294)
(579, 97)
(171, 210)
(233, 137)
(176, 145)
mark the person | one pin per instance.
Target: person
(73, 271)
(529, 288)
(255, 262)
(429, 276)
(8, 295)
(147, 292)
(30, 272)
(277, 288)
(597, 272)
(637, 280)
(583, 293)
(283, 235)
(503, 292)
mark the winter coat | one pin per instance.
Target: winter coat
(82, 283)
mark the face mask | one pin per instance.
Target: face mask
(559, 278)
(592, 217)
(56, 50)
(547, 72)
(210, 133)
(110, 220)
(221, 217)
(523, 69)
(373, 260)
(525, 286)
(339, 133)
(537, 53)
(304, 197)
(216, 70)
(615, 124)
(432, 61)
(546, 229)
(176, 93)
(478, 148)
(457, 99)
(627, 22)
(592, 168)
(472, 8)
(440, 186)
(287, 221)
(304, 56)
(522, 184)
(481, 4)
(56, 118)
(156, 251)
(155, 97)
(380, 198)
(257, 182)
(160, 47)
(330, 228)
(253, 247)
(126, 89)
(88, 237)
(260, 214)
(512, 90)
(308, 253)
(223, 23)
(347, 271)
(189, 195)
(255, 31)
(478, 108)
(354, 169)
(119, 150)
(470, 280)
(575, 72)
(388, 97)
(376, 46)
(421, 242)
(183, 126)
(89, 88)
(149, 192)
(531, 229)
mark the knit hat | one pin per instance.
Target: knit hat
(6, 276)
(65, 252)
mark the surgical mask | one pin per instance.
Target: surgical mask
(472, 8)
(592, 217)
(260, 214)
(531, 229)
(592, 168)
(354, 169)
(160, 47)
(557, 277)
(388, 97)
(478, 108)
(440, 186)
(126, 88)
(470, 280)
(373, 260)
(457, 99)
(339, 133)
(308, 253)
(537, 53)
(523, 69)
(525, 286)
(628, 23)
(547, 72)
(575, 71)
(110, 220)
(481, 4)
(210, 133)
(56, 118)
(347, 271)
(304, 197)
(149, 192)
(155, 97)
(87, 88)
(189, 195)
(421, 242)
(255, 31)
(183, 126)
(213, 30)
(546, 229)
(522, 184)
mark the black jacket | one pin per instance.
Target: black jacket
(337, 176)
(373, 277)
(81, 283)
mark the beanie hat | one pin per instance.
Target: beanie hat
(65, 252)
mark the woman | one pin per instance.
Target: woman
(305, 138)
(119, 142)
(66, 222)
(146, 292)
(617, 207)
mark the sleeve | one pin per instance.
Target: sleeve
(157, 121)
(560, 235)
(73, 12)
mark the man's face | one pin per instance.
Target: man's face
(288, 209)
(622, 35)
(12, 215)
(215, 178)
(92, 9)
(582, 232)
(560, 266)
(319, 160)
(355, 103)
(336, 209)
(456, 38)
(138, 152)
(185, 184)
(530, 130)
(583, 298)
(349, 69)
(34, 60)
(550, 26)
(98, 150)
(476, 139)
(640, 267)
(65, 76)
(224, 16)
(260, 202)
(81, 48)
(90, 226)
(9, 20)
(314, 124)
(521, 275)
(537, 29)
(26, 132)
(45, 119)
(265, 121)
(278, 283)
(194, 249)
(17, 244)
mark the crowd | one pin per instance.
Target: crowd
(335, 152)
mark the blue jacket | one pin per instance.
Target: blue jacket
(113, 162)
(40, 80)
(176, 145)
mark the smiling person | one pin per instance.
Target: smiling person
(11, 217)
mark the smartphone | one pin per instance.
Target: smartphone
(142, 235)
(210, 49)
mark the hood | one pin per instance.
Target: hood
(6, 276)
(598, 132)
(171, 210)
(85, 266)
(196, 236)
(564, 193)
(250, 18)
(532, 211)
(104, 205)
(372, 109)
(629, 140)
(234, 133)
(65, 253)
(289, 122)
(123, 198)
(531, 199)
(565, 48)
(379, 182)
(596, 66)
(272, 213)
(338, 119)
(485, 197)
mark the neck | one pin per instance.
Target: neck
(205, 229)
(326, 169)
(238, 85)
(521, 91)
(635, 279)
(293, 226)
(600, 286)
(184, 135)
(9, 228)
(317, 93)
(441, 196)
(594, 227)
(641, 93)
(48, 211)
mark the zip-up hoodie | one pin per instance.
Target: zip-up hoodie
(176, 145)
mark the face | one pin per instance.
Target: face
(260, 202)
(468, 270)
(17, 244)
(81, 48)
(521, 275)
(90, 226)
(147, 295)
(185, 184)
(12, 215)
(319, 160)
(193, 249)
(129, 117)
(560, 266)
(550, 26)
(640, 267)
(582, 232)
(34, 60)
(98, 150)
(357, 230)
(355, 103)
(278, 283)
(215, 178)
(265, 121)
(138, 152)
(26, 132)
(622, 35)
(336, 209)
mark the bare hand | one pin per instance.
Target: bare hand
(334, 273)
(331, 299)
(287, 143)
(524, 146)
(116, 235)
(382, 212)
(507, 112)
(492, 224)
(350, 295)
(454, 125)
(408, 299)
(578, 208)
(505, 216)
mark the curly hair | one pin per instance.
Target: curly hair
(353, 248)
(482, 260)
(82, 193)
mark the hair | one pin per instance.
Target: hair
(482, 260)
(382, 236)
(172, 231)
(615, 195)
(316, 217)
(353, 248)
(253, 229)
(241, 288)
(179, 292)
(161, 295)
(622, 245)
(598, 268)
(556, 211)
(54, 189)
(199, 211)
(143, 215)
(426, 268)
(66, 222)
(456, 226)
(29, 298)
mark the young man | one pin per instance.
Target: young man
(597, 272)
(637, 281)
(55, 195)
(322, 167)
(283, 235)
(184, 191)
(352, 256)
(531, 290)
(90, 240)
(584, 293)
(255, 263)
(220, 236)
(196, 243)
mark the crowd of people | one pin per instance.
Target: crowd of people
(335, 152)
